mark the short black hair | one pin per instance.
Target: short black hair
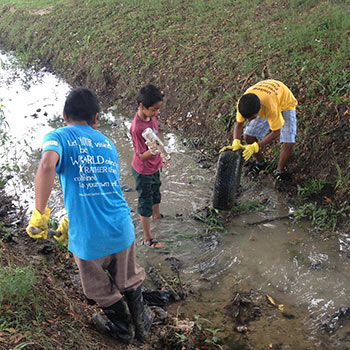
(81, 105)
(249, 105)
(149, 95)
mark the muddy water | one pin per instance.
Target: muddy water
(297, 267)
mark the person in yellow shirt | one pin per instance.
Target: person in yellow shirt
(267, 106)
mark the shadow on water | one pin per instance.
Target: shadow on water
(246, 261)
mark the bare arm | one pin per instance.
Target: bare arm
(44, 179)
(269, 138)
(237, 131)
(145, 155)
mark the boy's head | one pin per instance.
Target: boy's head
(149, 101)
(149, 95)
(249, 106)
(81, 105)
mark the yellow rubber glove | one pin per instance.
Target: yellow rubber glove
(236, 145)
(38, 227)
(249, 150)
(63, 230)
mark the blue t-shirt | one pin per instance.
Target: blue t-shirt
(98, 216)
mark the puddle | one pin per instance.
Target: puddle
(306, 273)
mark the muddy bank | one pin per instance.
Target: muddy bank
(242, 318)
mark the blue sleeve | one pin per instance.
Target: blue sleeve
(52, 142)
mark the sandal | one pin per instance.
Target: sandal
(153, 243)
(161, 217)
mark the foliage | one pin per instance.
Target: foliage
(185, 330)
(17, 297)
(34, 312)
(211, 337)
(5, 232)
(342, 180)
(311, 188)
(247, 206)
(324, 217)
(211, 218)
(34, 4)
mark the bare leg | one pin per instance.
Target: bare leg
(147, 235)
(146, 227)
(286, 151)
(156, 213)
(249, 140)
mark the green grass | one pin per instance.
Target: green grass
(32, 4)
(216, 38)
(247, 206)
(18, 298)
(325, 218)
(29, 314)
(311, 188)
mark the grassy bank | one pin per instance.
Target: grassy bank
(204, 54)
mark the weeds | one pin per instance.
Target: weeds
(5, 232)
(247, 206)
(211, 219)
(210, 334)
(311, 188)
(325, 217)
(226, 120)
(185, 329)
(35, 4)
(342, 180)
(28, 315)
(18, 297)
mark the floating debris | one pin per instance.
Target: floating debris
(272, 302)
(337, 320)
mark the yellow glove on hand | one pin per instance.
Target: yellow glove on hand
(38, 227)
(63, 230)
(236, 145)
(249, 150)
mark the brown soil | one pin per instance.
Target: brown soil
(66, 319)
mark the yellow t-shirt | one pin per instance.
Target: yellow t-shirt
(275, 98)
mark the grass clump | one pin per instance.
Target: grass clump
(324, 218)
(20, 302)
(311, 188)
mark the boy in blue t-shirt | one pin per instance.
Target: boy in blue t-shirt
(101, 233)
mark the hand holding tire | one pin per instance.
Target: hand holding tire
(249, 150)
(236, 145)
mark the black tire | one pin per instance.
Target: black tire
(227, 180)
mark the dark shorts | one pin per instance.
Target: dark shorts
(148, 188)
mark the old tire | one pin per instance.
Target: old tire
(227, 180)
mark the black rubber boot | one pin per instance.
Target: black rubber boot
(141, 313)
(121, 326)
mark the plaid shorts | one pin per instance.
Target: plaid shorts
(259, 127)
